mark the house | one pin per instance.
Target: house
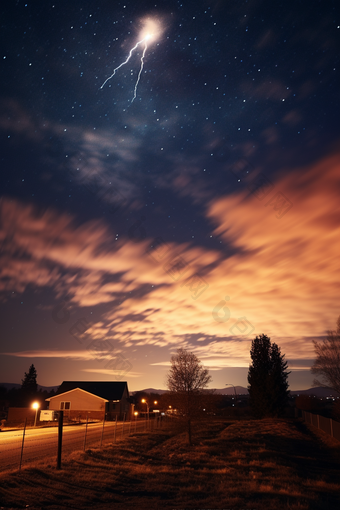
(79, 399)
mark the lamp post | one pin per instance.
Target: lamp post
(229, 384)
(147, 405)
(35, 406)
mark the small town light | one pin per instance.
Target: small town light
(155, 402)
(35, 406)
(136, 413)
(147, 406)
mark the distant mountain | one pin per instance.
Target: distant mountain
(240, 390)
(9, 386)
(150, 390)
(318, 391)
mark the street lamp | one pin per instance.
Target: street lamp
(147, 405)
(35, 406)
(229, 384)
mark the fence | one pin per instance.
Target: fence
(21, 447)
(328, 425)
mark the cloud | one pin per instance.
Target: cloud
(280, 274)
(65, 354)
(121, 374)
(284, 274)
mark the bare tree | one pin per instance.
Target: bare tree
(186, 381)
(327, 363)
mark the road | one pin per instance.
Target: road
(41, 443)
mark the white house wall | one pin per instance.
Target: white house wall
(80, 401)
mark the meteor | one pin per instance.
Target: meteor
(126, 61)
(141, 69)
(150, 32)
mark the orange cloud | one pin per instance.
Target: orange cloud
(282, 275)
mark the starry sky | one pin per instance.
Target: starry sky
(189, 198)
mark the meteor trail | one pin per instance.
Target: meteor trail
(127, 60)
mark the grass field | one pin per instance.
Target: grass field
(250, 464)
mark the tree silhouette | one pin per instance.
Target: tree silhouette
(267, 378)
(186, 381)
(29, 382)
(278, 381)
(327, 363)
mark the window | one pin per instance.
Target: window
(65, 405)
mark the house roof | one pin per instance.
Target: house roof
(70, 391)
(109, 390)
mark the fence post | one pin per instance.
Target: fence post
(22, 444)
(101, 439)
(115, 430)
(60, 437)
(123, 426)
(87, 419)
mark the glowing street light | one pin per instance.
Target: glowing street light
(35, 406)
(147, 405)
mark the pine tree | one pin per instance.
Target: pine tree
(278, 381)
(258, 375)
(267, 378)
(29, 382)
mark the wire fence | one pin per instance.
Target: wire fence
(328, 425)
(22, 447)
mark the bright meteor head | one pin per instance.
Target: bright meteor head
(151, 30)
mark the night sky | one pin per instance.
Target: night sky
(191, 200)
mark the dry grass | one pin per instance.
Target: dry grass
(265, 464)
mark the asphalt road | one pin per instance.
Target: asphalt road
(41, 443)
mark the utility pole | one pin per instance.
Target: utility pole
(229, 384)
(60, 437)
